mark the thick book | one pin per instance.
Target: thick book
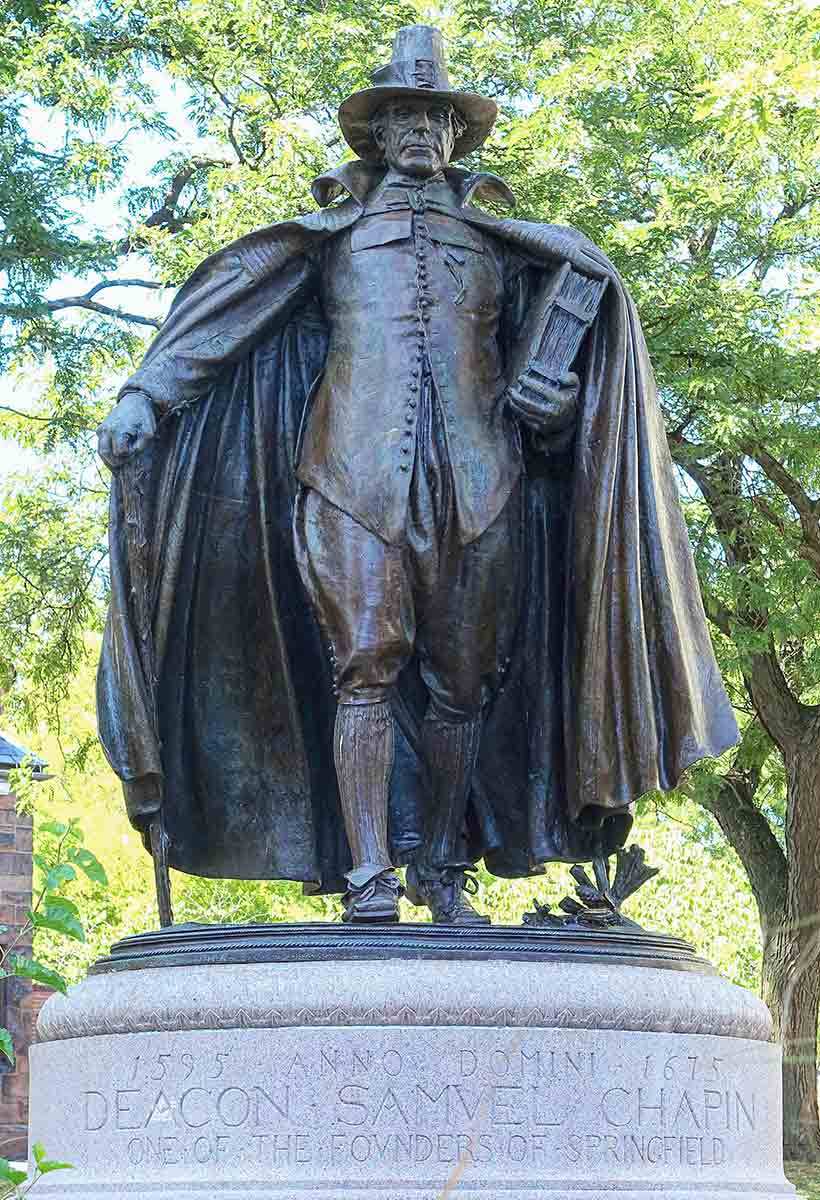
(556, 325)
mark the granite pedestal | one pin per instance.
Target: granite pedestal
(407, 1064)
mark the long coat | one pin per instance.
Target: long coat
(215, 698)
(395, 288)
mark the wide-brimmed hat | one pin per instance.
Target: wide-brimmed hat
(418, 68)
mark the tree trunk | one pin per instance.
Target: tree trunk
(792, 997)
(791, 966)
(792, 988)
(801, 1139)
(786, 888)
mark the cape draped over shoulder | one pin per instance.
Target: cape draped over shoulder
(215, 697)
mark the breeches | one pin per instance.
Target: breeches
(454, 606)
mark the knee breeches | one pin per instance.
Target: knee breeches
(454, 606)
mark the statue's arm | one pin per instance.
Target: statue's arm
(218, 315)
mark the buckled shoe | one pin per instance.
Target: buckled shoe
(372, 896)
(445, 893)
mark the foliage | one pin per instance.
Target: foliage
(21, 1182)
(60, 859)
(51, 552)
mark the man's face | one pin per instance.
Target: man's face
(417, 136)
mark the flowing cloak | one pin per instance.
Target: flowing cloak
(215, 698)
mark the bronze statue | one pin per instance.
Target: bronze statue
(391, 585)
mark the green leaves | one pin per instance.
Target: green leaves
(44, 1165)
(7, 1046)
(56, 829)
(10, 1174)
(62, 873)
(61, 915)
(82, 857)
(67, 856)
(37, 972)
(61, 854)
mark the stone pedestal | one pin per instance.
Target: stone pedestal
(394, 1064)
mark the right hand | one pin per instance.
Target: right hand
(126, 430)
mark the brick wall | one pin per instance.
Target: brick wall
(20, 1002)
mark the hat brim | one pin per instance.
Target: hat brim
(355, 112)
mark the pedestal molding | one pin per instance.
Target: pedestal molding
(391, 993)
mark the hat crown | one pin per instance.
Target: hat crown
(418, 60)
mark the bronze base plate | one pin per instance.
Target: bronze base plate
(320, 941)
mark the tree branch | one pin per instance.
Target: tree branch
(86, 301)
(807, 509)
(788, 212)
(779, 710)
(701, 244)
(732, 804)
(109, 283)
(719, 614)
(166, 216)
(16, 412)
(772, 516)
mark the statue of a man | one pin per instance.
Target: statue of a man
(480, 608)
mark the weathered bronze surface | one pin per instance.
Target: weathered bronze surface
(399, 573)
(598, 904)
(199, 945)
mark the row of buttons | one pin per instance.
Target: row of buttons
(424, 300)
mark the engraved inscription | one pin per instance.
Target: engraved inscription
(596, 1149)
(528, 1100)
